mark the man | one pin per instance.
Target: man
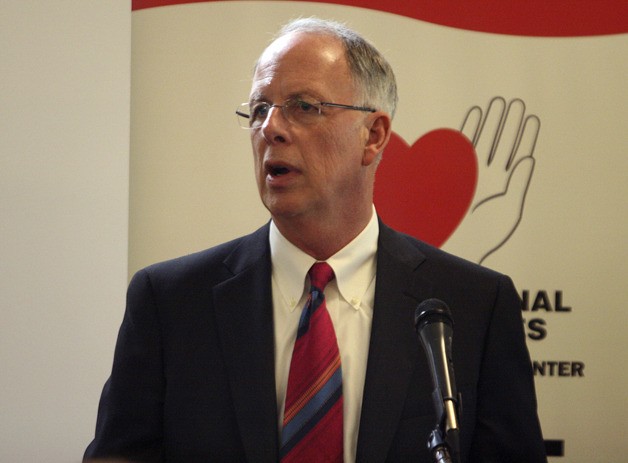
(202, 369)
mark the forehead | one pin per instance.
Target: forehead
(300, 63)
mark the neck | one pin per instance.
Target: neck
(322, 239)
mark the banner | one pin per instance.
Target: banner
(510, 150)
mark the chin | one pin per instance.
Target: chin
(282, 208)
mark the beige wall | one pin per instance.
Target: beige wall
(64, 153)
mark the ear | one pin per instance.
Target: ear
(379, 130)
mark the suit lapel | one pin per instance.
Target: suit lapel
(393, 351)
(243, 305)
(244, 315)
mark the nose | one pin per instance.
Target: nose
(275, 127)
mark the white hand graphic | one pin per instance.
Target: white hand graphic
(504, 138)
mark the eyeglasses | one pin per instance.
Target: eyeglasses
(295, 110)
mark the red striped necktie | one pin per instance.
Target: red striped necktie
(312, 424)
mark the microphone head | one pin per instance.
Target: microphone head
(432, 311)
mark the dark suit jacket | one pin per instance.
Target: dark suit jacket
(193, 374)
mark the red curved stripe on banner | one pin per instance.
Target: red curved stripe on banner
(540, 18)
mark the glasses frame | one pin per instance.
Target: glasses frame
(282, 106)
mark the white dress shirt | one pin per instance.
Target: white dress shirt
(349, 298)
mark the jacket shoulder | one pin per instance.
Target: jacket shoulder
(432, 257)
(213, 264)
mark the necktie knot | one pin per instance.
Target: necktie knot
(320, 274)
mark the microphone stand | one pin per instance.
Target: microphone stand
(443, 441)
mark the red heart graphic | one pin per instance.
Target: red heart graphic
(425, 189)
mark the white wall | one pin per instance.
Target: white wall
(64, 155)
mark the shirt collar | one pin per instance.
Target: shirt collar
(354, 265)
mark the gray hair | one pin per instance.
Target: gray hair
(373, 75)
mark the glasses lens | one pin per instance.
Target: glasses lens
(295, 111)
(258, 114)
(244, 118)
(302, 112)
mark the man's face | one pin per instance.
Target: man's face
(315, 170)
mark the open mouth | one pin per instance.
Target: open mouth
(278, 171)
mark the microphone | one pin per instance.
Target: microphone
(433, 323)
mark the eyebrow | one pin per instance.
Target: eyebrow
(259, 96)
(256, 96)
